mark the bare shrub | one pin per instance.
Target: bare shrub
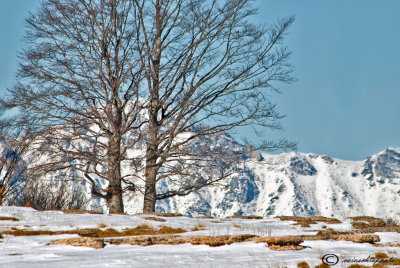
(54, 195)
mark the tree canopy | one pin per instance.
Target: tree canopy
(164, 76)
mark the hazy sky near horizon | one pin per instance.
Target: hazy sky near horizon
(347, 61)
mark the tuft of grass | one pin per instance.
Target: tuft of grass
(306, 221)
(303, 265)
(237, 226)
(371, 221)
(380, 255)
(198, 227)
(250, 217)
(387, 245)
(346, 236)
(102, 225)
(360, 225)
(357, 266)
(163, 214)
(395, 262)
(80, 242)
(169, 230)
(8, 219)
(283, 248)
(280, 240)
(23, 232)
(80, 211)
(205, 217)
(322, 265)
(155, 219)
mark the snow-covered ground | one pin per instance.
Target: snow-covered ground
(32, 251)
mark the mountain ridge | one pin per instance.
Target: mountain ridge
(302, 184)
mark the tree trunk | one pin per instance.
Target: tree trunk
(114, 190)
(152, 153)
(149, 204)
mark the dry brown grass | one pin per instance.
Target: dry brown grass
(380, 255)
(366, 224)
(80, 211)
(371, 221)
(163, 214)
(198, 227)
(386, 260)
(280, 240)
(306, 221)
(387, 245)
(357, 266)
(284, 248)
(394, 262)
(155, 219)
(80, 242)
(303, 265)
(237, 226)
(322, 265)
(96, 232)
(8, 219)
(250, 217)
(274, 243)
(23, 232)
(346, 236)
(102, 225)
(205, 217)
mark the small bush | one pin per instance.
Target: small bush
(57, 195)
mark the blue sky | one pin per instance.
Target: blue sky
(347, 61)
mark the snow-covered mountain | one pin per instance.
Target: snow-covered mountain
(287, 184)
(301, 184)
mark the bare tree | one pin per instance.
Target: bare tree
(12, 167)
(77, 91)
(207, 70)
(101, 77)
